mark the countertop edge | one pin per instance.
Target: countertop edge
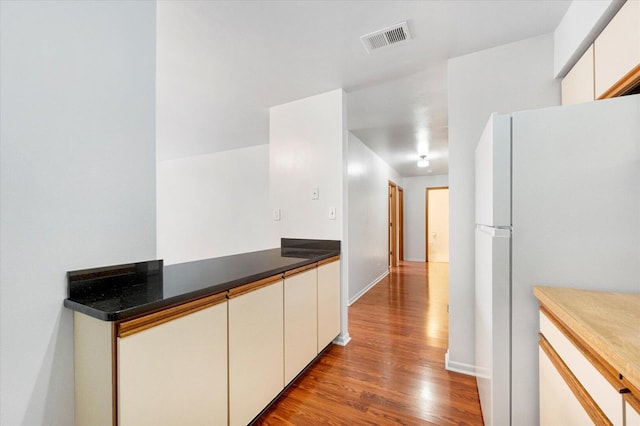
(598, 342)
(148, 308)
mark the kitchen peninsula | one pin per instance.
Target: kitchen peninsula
(205, 342)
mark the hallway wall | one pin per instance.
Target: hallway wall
(368, 180)
(414, 213)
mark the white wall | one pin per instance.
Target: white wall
(368, 177)
(197, 111)
(306, 144)
(414, 213)
(214, 205)
(579, 27)
(507, 78)
(77, 169)
(308, 149)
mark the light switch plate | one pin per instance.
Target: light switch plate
(315, 193)
(332, 213)
(276, 214)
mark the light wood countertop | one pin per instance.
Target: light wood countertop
(608, 322)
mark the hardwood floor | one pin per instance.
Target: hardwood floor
(392, 371)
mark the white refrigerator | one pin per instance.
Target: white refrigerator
(557, 204)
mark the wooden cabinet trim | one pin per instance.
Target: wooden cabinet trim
(593, 410)
(633, 401)
(253, 286)
(300, 270)
(633, 396)
(329, 260)
(627, 82)
(603, 367)
(136, 325)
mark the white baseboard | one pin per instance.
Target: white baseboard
(459, 367)
(413, 260)
(342, 339)
(367, 288)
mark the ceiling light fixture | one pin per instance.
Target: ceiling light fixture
(423, 162)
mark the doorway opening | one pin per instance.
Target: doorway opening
(437, 224)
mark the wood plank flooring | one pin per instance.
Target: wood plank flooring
(392, 372)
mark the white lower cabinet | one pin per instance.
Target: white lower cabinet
(605, 396)
(256, 351)
(300, 322)
(218, 360)
(93, 370)
(575, 388)
(328, 303)
(558, 405)
(175, 373)
(632, 415)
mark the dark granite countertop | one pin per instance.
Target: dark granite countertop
(120, 292)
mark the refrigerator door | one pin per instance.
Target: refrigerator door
(493, 173)
(492, 303)
(576, 217)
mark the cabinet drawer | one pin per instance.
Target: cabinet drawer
(607, 397)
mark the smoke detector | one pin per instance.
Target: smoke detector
(385, 37)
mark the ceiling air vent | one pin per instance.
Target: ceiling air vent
(386, 37)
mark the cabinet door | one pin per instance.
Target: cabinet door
(300, 322)
(175, 373)
(256, 351)
(617, 48)
(578, 85)
(558, 405)
(632, 415)
(605, 395)
(328, 303)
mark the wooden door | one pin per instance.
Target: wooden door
(400, 224)
(392, 226)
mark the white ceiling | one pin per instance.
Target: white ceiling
(221, 65)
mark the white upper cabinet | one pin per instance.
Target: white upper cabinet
(617, 52)
(578, 85)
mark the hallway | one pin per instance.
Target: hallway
(392, 371)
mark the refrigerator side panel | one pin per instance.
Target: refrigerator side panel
(492, 323)
(576, 217)
(493, 173)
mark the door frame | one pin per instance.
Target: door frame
(392, 245)
(400, 223)
(426, 218)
